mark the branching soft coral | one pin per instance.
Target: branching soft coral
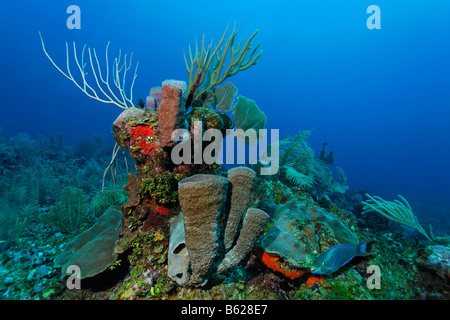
(118, 71)
(397, 211)
(207, 66)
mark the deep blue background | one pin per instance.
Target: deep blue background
(380, 98)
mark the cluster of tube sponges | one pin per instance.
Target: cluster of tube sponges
(205, 238)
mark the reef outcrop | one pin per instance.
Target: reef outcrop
(147, 134)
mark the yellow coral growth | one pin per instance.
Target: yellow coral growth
(207, 69)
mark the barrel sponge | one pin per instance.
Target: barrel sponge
(171, 110)
(241, 181)
(93, 251)
(202, 199)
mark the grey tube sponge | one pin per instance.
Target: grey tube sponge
(202, 198)
(178, 268)
(241, 180)
(252, 226)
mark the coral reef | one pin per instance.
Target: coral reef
(148, 137)
(188, 230)
(410, 270)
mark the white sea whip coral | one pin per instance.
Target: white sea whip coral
(119, 73)
(397, 211)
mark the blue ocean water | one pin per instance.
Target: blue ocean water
(379, 98)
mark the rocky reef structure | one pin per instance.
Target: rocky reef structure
(146, 129)
(437, 259)
(148, 137)
(197, 247)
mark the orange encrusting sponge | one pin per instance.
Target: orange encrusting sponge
(273, 262)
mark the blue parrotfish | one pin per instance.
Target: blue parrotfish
(337, 256)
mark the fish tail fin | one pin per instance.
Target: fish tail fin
(362, 248)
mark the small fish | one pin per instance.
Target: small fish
(182, 138)
(337, 256)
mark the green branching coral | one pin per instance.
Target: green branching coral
(162, 187)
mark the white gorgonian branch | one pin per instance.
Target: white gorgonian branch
(119, 73)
